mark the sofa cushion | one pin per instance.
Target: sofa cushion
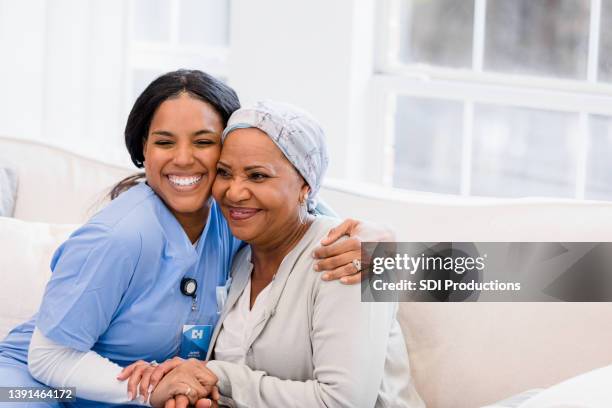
(484, 352)
(591, 389)
(27, 248)
(8, 190)
(58, 186)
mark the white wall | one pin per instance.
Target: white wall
(306, 53)
(62, 74)
(65, 75)
(22, 28)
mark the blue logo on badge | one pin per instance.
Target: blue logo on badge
(195, 341)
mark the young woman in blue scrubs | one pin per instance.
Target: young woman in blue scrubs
(115, 292)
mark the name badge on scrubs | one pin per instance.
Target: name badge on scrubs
(222, 292)
(195, 340)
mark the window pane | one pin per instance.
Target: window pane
(523, 152)
(605, 42)
(151, 20)
(204, 22)
(428, 145)
(599, 165)
(541, 37)
(437, 32)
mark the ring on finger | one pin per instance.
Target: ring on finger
(357, 264)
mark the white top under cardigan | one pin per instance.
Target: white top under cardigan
(239, 324)
(315, 344)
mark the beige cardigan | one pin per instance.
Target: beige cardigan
(317, 344)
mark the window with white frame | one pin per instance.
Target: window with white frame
(165, 35)
(497, 98)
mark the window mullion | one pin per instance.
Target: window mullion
(582, 152)
(594, 32)
(174, 22)
(128, 77)
(393, 34)
(389, 138)
(466, 152)
(478, 40)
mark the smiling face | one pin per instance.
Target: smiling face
(181, 153)
(258, 189)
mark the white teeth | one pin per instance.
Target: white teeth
(184, 181)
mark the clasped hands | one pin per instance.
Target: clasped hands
(175, 383)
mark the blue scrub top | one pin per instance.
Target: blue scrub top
(115, 286)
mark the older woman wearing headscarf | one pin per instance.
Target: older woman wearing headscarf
(286, 338)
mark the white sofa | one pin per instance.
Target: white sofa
(462, 355)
